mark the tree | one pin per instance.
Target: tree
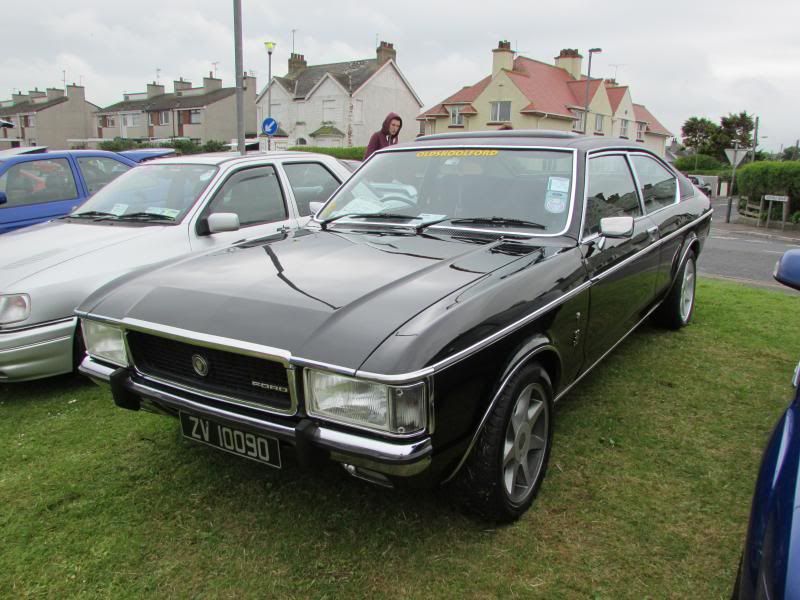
(697, 134)
(738, 128)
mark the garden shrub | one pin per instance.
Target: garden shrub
(770, 177)
(702, 162)
(354, 153)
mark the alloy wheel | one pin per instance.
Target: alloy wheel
(525, 443)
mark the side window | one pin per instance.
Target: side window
(98, 171)
(36, 181)
(253, 194)
(658, 184)
(611, 192)
(311, 182)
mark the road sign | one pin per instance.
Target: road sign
(269, 126)
(735, 155)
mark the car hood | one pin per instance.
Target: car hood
(324, 296)
(29, 251)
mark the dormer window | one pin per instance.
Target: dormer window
(456, 118)
(501, 111)
(640, 131)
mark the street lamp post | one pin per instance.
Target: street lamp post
(270, 46)
(588, 80)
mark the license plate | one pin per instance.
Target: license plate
(222, 436)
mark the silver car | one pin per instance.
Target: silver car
(155, 213)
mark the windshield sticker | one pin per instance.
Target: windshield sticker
(558, 184)
(167, 212)
(448, 153)
(426, 217)
(118, 209)
(555, 202)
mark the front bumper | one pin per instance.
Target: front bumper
(36, 352)
(401, 458)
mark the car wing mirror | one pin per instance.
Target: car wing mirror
(220, 222)
(3, 198)
(616, 227)
(787, 270)
(315, 207)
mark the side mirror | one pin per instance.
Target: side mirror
(315, 207)
(616, 227)
(787, 270)
(219, 222)
(3, 198)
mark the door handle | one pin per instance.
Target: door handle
(653, 232)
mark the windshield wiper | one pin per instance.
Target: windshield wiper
(145, 216)
(89, 214)
(497, 221)
(324, 222)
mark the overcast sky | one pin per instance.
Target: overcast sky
(681, 59)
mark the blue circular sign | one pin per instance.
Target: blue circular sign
(269, 126)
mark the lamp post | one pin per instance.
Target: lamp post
(588, 79)
(270, 46)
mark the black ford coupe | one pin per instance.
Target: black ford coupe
(419, 330)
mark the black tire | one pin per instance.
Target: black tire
(505, 469)
(678, 307)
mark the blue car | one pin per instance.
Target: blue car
(770, 565)
(38, 187)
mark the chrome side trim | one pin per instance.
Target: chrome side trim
(607, 352)
(520, 363)
(318, 364)
(36, 325)
(37, 344)
(650, 247)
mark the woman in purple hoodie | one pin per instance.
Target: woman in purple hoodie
(386, 136)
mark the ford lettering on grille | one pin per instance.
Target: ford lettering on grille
(269, 386)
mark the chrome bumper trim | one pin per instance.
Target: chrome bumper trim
(391, 458)
(39, 351)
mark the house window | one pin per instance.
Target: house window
(456, 118)
(328, 111)
(598, 123)
(640, 131)
(163, 117)
(130, 120)
(28, 121)
(623, 128)
(110, 121)
(501, 111)
(195, 117)
(422, 127)
(578, 122)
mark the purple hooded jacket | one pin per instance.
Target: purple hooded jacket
(381, 139)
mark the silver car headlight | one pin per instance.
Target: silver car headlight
(390, 408)
(14, 308)
(105, 342)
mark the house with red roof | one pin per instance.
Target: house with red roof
(530, 94)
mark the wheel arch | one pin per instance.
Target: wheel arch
(539, 349)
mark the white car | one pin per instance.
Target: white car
(158, 212)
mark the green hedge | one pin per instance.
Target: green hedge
(702, 162)
(770, 177)
(181, 146)
(354, 153)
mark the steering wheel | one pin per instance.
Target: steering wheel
(399, 198)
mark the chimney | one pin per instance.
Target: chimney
(385, 51)
(35, 93)
(502, 57)
(297, 62)
(248, 81)
(19, 98)
(53, 93)
(180, 85)
(154, 89)
(570, 60)
(211, 83)
(76, 91)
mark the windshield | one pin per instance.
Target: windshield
(527, 190)
(160, 193)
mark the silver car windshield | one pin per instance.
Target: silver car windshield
(162, 193)
(529, 190)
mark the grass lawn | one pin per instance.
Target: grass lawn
(647, 494)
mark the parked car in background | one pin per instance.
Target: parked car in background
(38, 187)
(156, 212)
(770, 566)
(420, 328)
(702, 185)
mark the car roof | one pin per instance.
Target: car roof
(523, 137)
(24, 157)
(220, 158)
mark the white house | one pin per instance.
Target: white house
(339, 104)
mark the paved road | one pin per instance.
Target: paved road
(744, 253)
